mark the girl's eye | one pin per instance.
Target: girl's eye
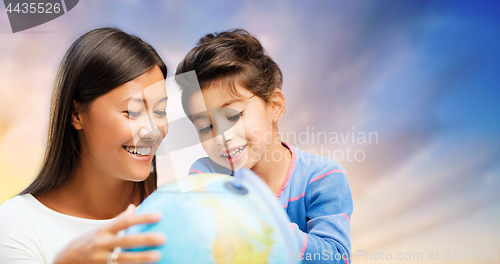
(131, 114)
(235, 117)
(205, 129)
(161, 113)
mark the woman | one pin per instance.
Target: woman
(107, 120)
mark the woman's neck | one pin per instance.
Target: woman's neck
(91, 194)
(272, 168)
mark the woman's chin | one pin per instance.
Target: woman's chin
(138, 174)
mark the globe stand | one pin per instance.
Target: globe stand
(235, 188)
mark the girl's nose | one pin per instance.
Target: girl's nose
(224, 136)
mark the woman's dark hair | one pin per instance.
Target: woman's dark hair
(226, 59)
(95, 64)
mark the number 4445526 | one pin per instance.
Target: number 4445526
(471, 255)
(40, 8)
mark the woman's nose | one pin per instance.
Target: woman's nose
(149, 130)
(148, 133)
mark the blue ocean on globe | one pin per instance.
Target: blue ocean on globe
(221, 219)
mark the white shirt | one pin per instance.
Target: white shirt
(31, 233)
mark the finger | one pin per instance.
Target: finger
(129, 221)
(151, 256)
(131, 241)
(128, 212)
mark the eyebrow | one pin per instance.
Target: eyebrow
(204, 115)
(229, 103)
(142, 100)
(198, 116)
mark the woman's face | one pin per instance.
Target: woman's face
(120, 132)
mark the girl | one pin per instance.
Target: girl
(236, 109)
(107, 119)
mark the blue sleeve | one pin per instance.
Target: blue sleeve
(206, 165)
(199, 166)
(328, 211)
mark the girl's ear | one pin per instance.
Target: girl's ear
(277, 101)
(76, 117)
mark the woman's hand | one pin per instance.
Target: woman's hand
(95, 247)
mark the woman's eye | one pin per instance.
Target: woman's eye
(206, 129)
(132, 114)
(235, 117)
(161, 113)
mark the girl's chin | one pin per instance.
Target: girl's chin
(236, 166)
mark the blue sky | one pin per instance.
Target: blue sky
(424, 75)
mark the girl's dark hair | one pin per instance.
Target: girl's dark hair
(228, 58)
(96, 63)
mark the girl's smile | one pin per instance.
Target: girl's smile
(233, 155)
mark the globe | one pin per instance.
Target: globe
(222, 219)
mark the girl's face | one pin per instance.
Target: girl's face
(121, 130)
(235, 131)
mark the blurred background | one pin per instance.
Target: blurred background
(421, 77)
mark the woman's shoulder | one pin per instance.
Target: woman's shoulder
(16, 231)
(13, 208)
(29, 210)
(14, 214)
(29, 228)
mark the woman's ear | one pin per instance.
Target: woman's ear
(277, 101)
(76, 116)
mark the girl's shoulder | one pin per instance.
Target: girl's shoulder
(206, 165)
(313, 164)
(311, 170)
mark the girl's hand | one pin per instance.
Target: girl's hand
(96, 246)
